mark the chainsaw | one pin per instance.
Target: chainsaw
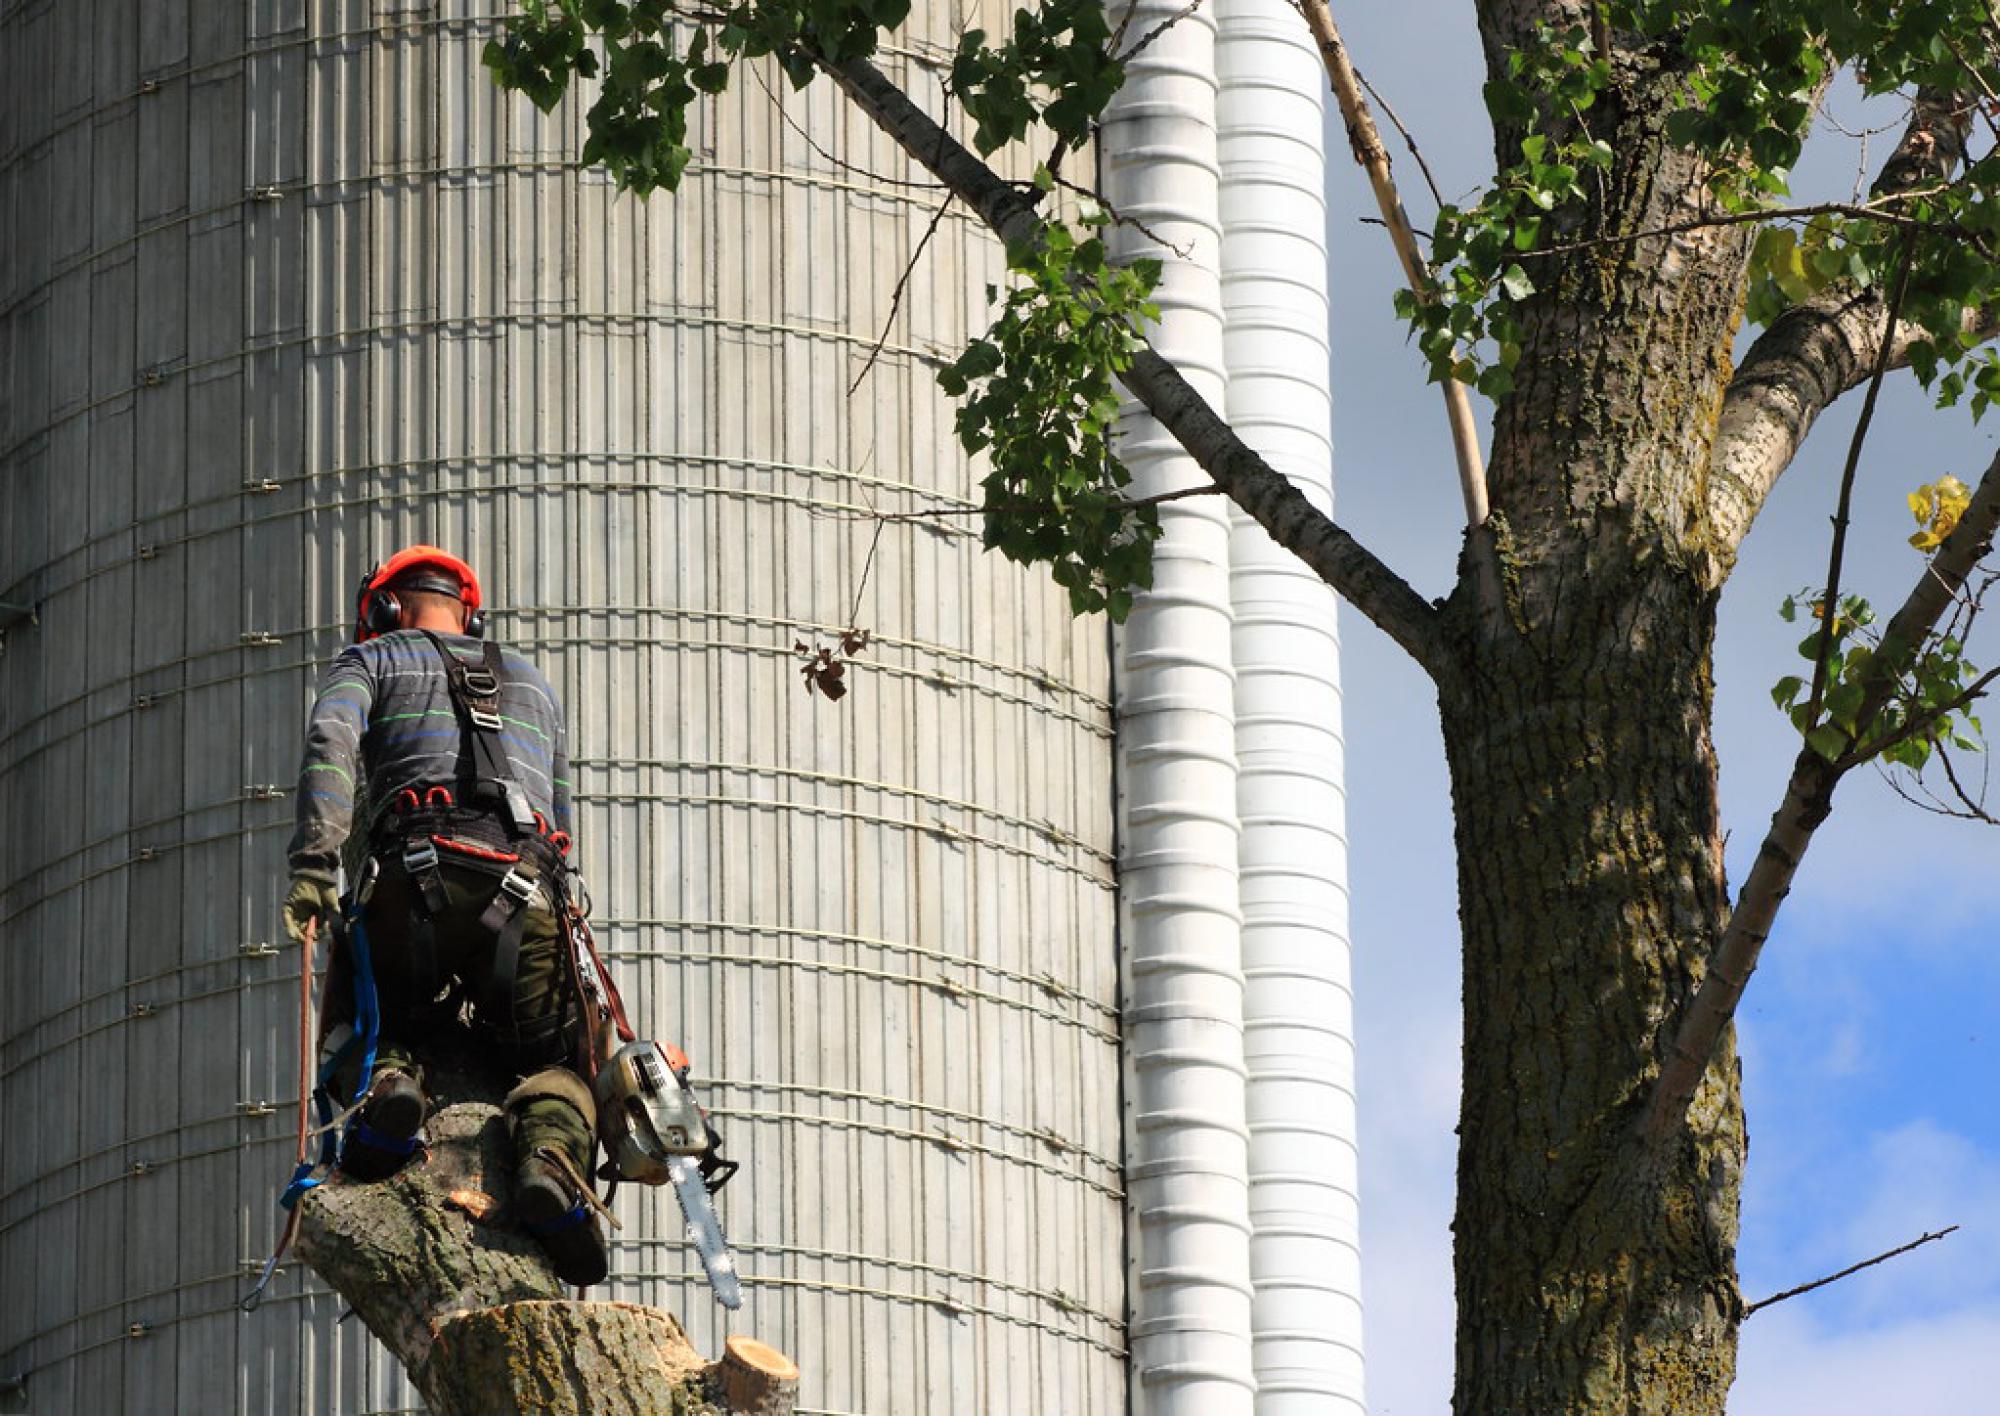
(654, 1129)
(655, 1132)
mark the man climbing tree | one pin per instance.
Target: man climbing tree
(1643, 150)
(442, 761)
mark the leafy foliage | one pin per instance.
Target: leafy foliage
(1916, 716)
(1040, 402)
(1061, 50)
(1037, 388)
(655, 59)
(1754, 75)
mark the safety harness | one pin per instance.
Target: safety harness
(486, 824)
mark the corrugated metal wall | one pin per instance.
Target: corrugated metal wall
(289, 284)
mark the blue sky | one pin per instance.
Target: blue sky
(1871, 1031)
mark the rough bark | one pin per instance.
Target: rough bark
(1594, 1276)
(431, 1262)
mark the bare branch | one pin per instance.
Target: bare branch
(1146, 39)
(1409, 138)
(1282, 509)
(902, 284)
(1183, 252)
(1808, 799)
(1882, 209)
(1366, 144)
(1974, 810)
(1850, 1270)
(947, 513)
(842, 163)
(1830, 604)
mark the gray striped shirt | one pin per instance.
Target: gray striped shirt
(384, 721)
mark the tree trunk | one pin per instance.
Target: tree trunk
(432, 1263)
(1592, 1275)
(1596, 1274)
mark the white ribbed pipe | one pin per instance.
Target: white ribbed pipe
(1297, 1014)
(1187, 1148)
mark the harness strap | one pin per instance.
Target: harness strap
(475, 694)
(420, 863)
(507, 918)
(368, 1136)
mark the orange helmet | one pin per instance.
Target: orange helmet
(376, 608)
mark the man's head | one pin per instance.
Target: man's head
(420, 587)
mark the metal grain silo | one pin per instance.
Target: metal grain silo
(291, 283)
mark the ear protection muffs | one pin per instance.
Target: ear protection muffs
(378, 609)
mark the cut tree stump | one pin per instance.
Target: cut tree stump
(433, 1263)
(757, 1378)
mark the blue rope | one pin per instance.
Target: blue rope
(366, 1035)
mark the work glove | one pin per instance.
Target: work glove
(308, 900)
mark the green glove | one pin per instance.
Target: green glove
(309, 899)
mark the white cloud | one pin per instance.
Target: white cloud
(1936, 1365)
(1918, 1335)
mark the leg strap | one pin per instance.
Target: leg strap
(507, 917)
(420, 863)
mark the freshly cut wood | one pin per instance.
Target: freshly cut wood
(756, 1377)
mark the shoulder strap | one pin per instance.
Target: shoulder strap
(475, 694)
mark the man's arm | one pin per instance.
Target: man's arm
(329, 774)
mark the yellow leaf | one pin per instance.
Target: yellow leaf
(1937, 507)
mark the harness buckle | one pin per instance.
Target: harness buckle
(486, 722)
(480, 684)
(521, 888)
(419, 856)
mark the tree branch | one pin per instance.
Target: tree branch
(1294, 523)
(1830, 603)
(1366, 143)
(1849, 1270)
(1920, 722)
(902, 284)
(1808, 799)
(1817, 351)
(1409, 138)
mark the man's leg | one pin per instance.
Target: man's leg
(550, 1114)
(383, 1134)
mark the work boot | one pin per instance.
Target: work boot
(550, 1206)
(383, 1135)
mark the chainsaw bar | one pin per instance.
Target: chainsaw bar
(705, 1230)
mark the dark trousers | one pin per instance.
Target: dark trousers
(432, 981)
